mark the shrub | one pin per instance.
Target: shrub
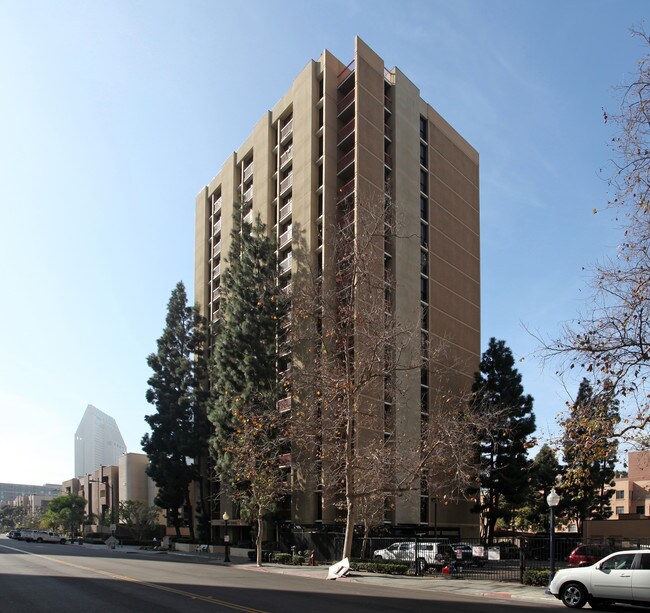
(388, 568)
(281, 558)
(536, 577)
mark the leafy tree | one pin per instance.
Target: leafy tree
(179, 428)
(544, 472)
(11, 517)
(590, 453)
(612, 337)
(139, 517)
(248, 437)
(65, 512)
(498, 394)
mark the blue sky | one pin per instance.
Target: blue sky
(113, 115)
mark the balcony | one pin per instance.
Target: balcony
(216, 206)
(344, 132)
(216, 271)
(217, 227)
(285, 265)
(345, 161)
(248, 218)
(216, 249)
(248, 171)
(284, 405)
(285, 460)
(388, 161)
(345, 73)
(286, 183)
(345, 102)
(387, 103)
(287, 290)
(285, 238)
(286, 157)
(216, 292)
(286, 131)
(388, 133)
(346, 189)
(248, 194)
(285, 211)
(285, 322)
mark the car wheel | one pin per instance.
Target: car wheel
(574, 595)
(62, 541)
(378, 558)
(599, 604)
(39, 540)
(421, 565)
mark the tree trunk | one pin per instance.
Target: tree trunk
(259, 537)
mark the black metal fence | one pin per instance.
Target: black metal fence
(505, 559)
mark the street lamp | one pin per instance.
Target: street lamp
(552, 500)
(226, 537)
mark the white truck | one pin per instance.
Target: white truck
(42, 536)
(436, 555)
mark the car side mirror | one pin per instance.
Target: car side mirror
(598, 565)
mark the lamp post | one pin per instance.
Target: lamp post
(552, 500)
(226, 536)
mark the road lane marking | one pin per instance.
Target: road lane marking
(191, 595)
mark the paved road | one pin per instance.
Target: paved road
(40, 578)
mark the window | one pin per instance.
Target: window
(424, 289)
(424, 263)
(620, 510)
(423, 128)
(424, 235)
(423, 154)
(639, 510)
(424, 208)
(621, 562)
(620, 494)
(644, 562)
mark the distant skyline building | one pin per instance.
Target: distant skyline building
(10, 491)
(97, 442)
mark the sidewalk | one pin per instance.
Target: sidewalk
(489, 589)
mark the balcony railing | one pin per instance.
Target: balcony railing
(286, 157)
(285, 265)
(217, 227)
(287, 290)
(286, 183)
(284, 405)
(387, 103)
(216, 249)
(345, 102)
(388, 160)
(285, 210)
(345, 73)
(346, 160)
(248, 194)
(346, 189)
(216, 206)
(285, 238)
(345, 131)
(388, 133)
(216, 292)
(248, 218)
(216, 271)
(286, 130)
(248, 171)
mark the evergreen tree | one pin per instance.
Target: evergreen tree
(179, 428)
(248, 439)
(544, 472)
(590, 449)
(498, 394)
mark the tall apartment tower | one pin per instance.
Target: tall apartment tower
(97, 442)
(342, 134)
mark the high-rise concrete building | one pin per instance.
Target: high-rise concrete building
(97, 442)
(343, 134)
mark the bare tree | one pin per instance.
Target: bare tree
(354, 360)
(612, 340)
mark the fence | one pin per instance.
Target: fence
(506, 559)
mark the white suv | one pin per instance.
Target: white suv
(428, 554)
(623, 576)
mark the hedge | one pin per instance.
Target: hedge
(536, 577)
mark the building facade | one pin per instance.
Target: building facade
(631, 494)
(344, 139)
(97, 442)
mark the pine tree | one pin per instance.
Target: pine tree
(179, 429)
(545, 470)
(498, 394)
(590, 453)
(248, 437)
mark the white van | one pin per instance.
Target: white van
(45, 536)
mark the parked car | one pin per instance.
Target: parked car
(434, 555)
(619, 577)
(14, 534)
(586, 555)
